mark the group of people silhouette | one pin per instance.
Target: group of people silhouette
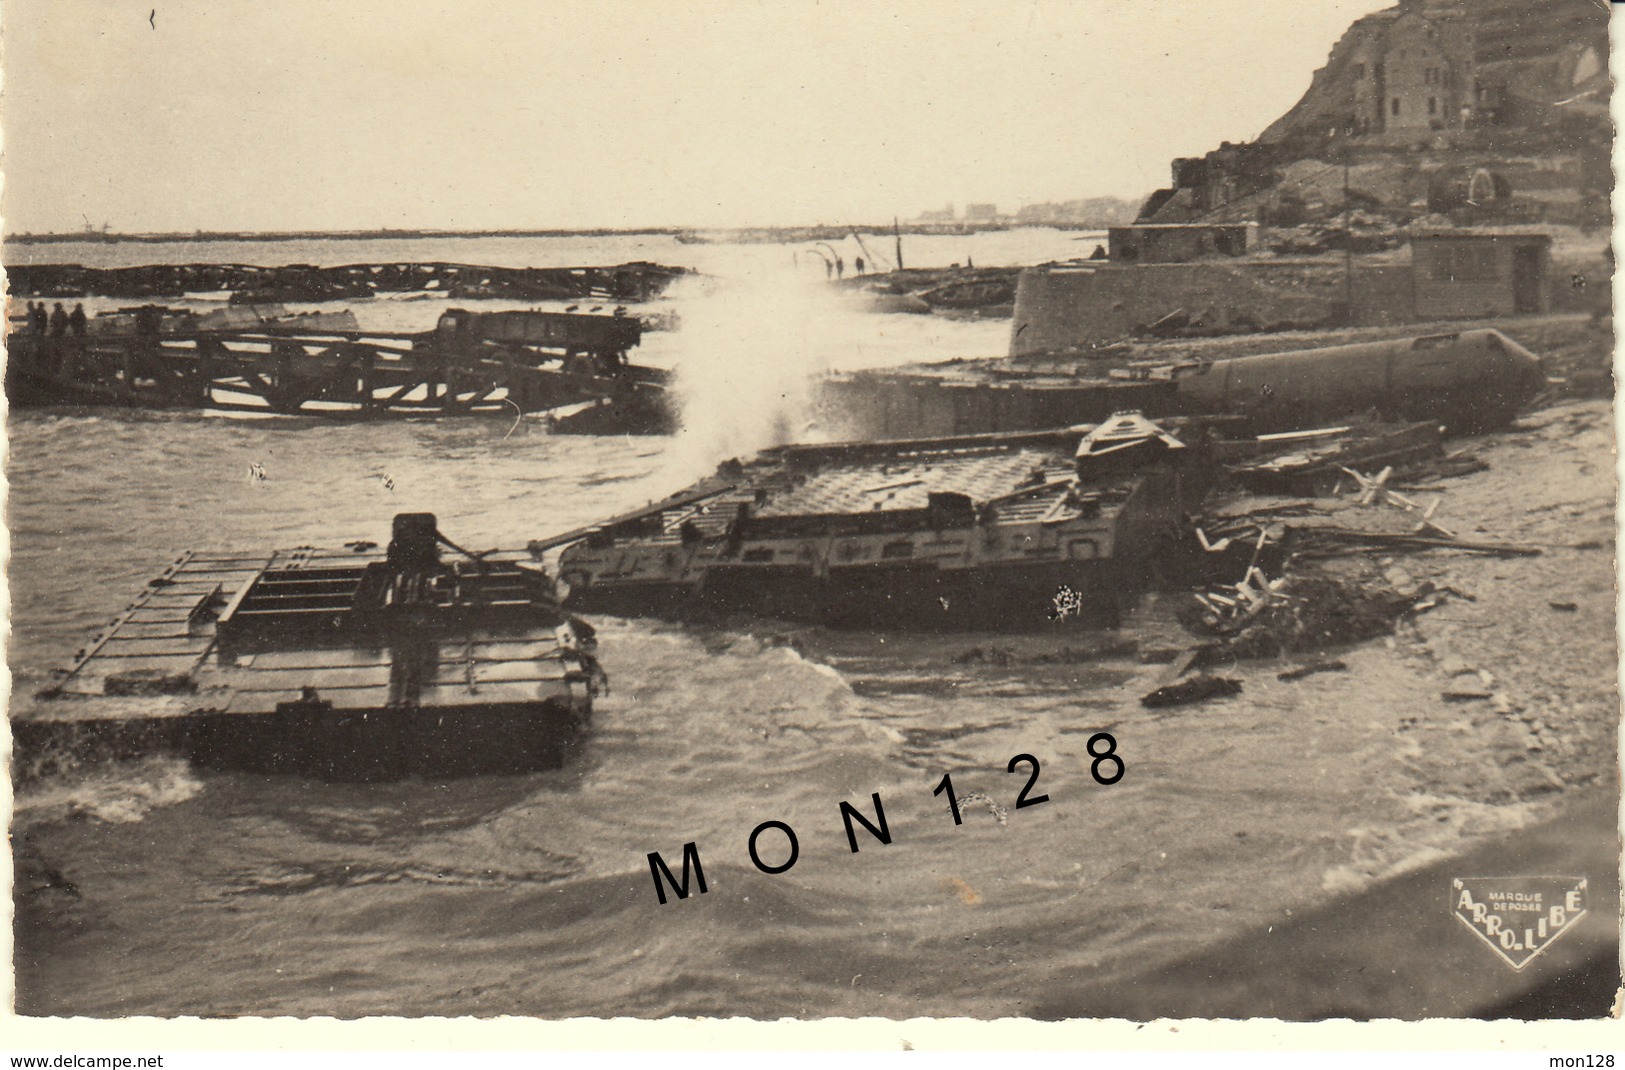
(836, 269)
(58, 322)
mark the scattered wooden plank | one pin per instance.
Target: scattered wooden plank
(1299, 672)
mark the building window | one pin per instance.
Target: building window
(1393, 105)
(1433, 105)
(1359, 70)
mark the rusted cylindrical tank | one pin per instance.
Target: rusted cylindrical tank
(1468, 380)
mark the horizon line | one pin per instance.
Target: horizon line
(374, 232)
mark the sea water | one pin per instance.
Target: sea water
(147, 887)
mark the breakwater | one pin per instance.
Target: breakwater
(249, 284)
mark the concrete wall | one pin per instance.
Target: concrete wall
(1071, 307)
(1460, 279)
(1384, 295)
(1075, 307)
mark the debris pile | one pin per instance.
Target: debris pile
(1307, 610)
(1307, 577)
(1356, 232)
(1320, 461)
(956, 290)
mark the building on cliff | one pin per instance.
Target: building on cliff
(1427, 67)
(1493, 79)
(1400, 71)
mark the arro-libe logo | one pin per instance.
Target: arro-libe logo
(1519, 917)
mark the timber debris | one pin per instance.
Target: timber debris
(955, 291)
(1313, 667)
(1196, 689)
(1285, 576)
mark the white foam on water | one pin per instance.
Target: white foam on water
(747, 358)
(119, 793)
(1441, 826)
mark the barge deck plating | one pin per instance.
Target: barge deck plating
(972, 532)
(345, 664)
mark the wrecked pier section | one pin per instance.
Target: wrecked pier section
(349, 663)
(253, 285)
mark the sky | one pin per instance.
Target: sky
(515, 114)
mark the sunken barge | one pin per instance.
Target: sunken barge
(347, 664)
(574, 367)
(977, 532)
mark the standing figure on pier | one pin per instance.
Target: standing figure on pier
(77, 322)
(59, 321)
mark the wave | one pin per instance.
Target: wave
(120, 793)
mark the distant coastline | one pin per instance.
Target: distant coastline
(108, 237)
(687, 234)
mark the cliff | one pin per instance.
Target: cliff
(1491, 109)
(1485, 64)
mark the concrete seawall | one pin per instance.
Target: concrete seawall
(1061, 307)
